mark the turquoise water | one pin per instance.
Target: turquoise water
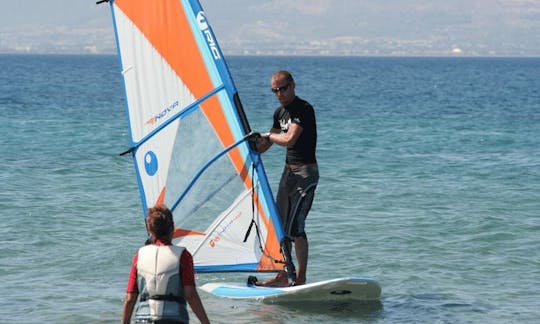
(430, 182)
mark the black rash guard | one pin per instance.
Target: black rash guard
(302, 113)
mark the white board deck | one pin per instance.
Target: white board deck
(339, 289)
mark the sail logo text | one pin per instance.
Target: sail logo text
(162, 114)
(203, 25)
(225, 228)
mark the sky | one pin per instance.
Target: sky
(285, 27)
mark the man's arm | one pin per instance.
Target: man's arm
(264, 144)
(286, 139)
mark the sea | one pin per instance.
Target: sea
(430, 184)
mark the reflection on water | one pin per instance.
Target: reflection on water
(337, 309)
(298, 312)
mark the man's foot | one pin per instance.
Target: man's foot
(280, 280)
(298, 282)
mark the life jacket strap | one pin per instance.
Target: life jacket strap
(169, 297)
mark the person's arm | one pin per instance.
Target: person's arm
(192, 297)
(287, 139)
(265, 144)
(129, 304)
(132, 292)
(190, 291)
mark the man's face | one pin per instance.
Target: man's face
(283, 89)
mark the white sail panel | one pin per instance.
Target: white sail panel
(154, 92)
(220, 248)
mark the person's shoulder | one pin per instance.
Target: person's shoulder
(186, 257)
(304, 107)
(303, 103)
(186, 253)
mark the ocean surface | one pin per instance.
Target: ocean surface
(430, 183)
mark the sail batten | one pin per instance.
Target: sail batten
(179, 115)
(190, 137)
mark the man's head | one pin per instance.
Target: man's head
(282, 84)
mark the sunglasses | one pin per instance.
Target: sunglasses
(280, 89)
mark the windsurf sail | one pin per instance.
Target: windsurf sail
(190, 137)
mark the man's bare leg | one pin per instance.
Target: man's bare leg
(280, 280)
(301, 250)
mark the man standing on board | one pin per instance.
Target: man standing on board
(295, 128)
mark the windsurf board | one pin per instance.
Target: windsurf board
(339, 289)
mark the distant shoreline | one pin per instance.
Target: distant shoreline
(299, 55)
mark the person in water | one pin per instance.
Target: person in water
(162, 277)
(295, 128)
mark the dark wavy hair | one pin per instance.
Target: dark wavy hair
(160, 223)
